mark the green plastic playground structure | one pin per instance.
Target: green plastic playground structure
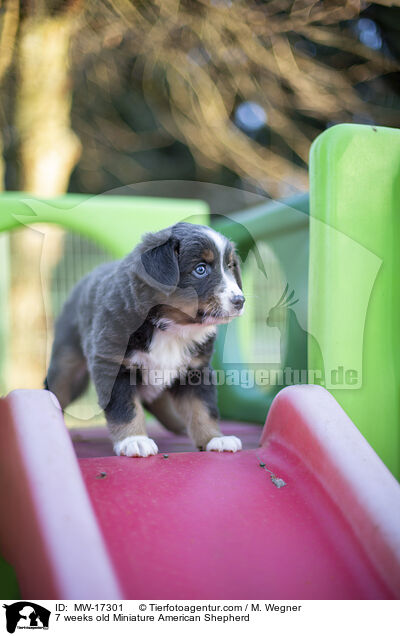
(284, 227)
(353, 307)
(115, 222)
(342, 262)
(354, 280)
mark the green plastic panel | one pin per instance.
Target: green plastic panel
(115, 222)
(354, 279)
(283, 226)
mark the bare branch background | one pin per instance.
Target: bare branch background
(187, 66)
(157, 85)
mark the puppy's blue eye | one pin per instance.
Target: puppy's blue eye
(201, 270)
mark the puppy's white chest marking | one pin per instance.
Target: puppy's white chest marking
(169, 353)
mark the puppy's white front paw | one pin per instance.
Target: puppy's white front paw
(136, 446)
(224, 443)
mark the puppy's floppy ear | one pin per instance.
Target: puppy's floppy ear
(161, 263)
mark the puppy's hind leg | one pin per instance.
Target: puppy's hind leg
(126, 420)
(68, 375)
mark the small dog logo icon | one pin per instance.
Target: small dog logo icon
(26, 615)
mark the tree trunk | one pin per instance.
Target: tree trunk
(8, 30)
(49, 151)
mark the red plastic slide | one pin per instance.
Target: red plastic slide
(312, 513)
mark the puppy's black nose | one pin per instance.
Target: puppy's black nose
(238, 301)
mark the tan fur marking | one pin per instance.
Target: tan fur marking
(199, 362)
(181, 316)
(208, 256)
(200, 425)
(137, 426)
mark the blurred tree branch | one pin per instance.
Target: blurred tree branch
(190, 63)
(299, 59)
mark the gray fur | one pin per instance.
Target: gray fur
(103, 310)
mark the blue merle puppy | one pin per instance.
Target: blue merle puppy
(139, 327)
